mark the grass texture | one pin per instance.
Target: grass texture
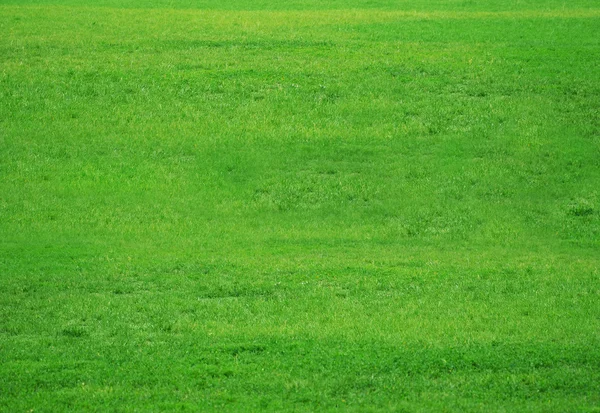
(299, 206)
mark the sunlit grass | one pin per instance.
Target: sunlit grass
(255, 207)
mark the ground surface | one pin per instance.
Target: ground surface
(308, 205)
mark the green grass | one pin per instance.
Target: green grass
(308, 206)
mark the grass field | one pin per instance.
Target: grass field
(300, 205)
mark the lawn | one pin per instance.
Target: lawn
(353, 205)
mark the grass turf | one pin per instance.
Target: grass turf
(300, 206)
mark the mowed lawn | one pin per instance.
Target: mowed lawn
(300, 206)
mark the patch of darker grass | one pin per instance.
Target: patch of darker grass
(74, 332)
